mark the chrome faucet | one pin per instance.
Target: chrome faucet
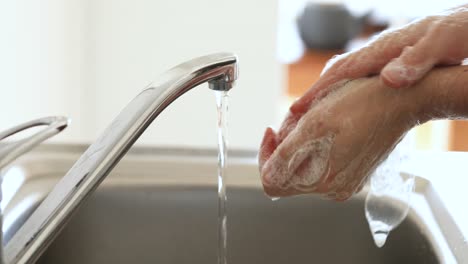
(219, 70)
(10, 151)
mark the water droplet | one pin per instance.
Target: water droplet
(383, 215)
(380, 238)
(380, 231)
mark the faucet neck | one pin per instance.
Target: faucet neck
(220, 70)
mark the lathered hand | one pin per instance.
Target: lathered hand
(346, 133)
(401, 57)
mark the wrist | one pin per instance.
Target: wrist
(403, 106)
(442, 94)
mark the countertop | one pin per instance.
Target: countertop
(447, 172)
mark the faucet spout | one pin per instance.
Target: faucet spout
(219, 70)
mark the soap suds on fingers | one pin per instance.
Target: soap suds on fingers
(311, 162)
(305, 167)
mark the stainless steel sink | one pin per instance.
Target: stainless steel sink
(159, 206)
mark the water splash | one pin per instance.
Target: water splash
(388, 201)
(222, 106)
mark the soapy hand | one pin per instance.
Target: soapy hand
(404, 55)
(337, 143)
(401, 56)
(348, 138)
(345, 133)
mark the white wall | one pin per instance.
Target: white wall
(41, 62)
(88, 59)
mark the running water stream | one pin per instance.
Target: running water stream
(388, 201)
(222, 105)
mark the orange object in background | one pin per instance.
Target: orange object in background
(458, 135)
(305, 72)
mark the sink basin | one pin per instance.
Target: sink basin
(160, 206)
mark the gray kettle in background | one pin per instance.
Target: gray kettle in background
(328, 26)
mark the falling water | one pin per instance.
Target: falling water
(222, 105)
(385, 212)
(388, 200)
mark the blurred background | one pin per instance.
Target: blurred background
(87, 59)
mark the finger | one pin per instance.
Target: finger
(305, 103)
(366, 61)
(363, 62)
(290, 122)
(301, 161)
(342, 197)
(275, 172)
(268, 146)
(318, 91)
(351, 67)
(274, 192)
(361, 186)
(412, 65)
(288, 125)
(344, 192)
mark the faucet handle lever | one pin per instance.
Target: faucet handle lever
(10, 151)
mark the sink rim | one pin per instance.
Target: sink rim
(41, 177)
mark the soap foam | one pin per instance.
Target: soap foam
(307, 165)
(310, 162)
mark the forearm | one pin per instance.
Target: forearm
(442, 94)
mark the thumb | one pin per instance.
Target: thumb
(411, 66)
(300, 161)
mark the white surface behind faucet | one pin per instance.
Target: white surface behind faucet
(88, 59)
